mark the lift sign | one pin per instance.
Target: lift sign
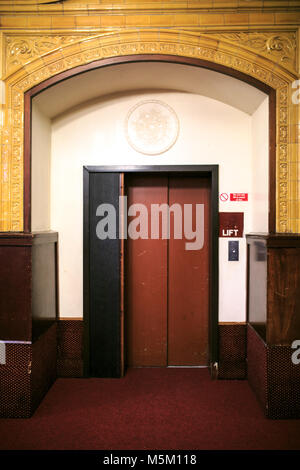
(238, 196)
(231, 224)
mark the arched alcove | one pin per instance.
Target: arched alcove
(80, 121)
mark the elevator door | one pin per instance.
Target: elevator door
(166, 285)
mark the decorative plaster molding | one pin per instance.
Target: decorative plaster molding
(280, 46)
(20, 50)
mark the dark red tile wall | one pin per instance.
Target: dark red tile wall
(283, 383)
(273, 377)
(44, 356)
(232, 351)
(70, 348)
(257, 366)
(15, 386)
(29, 372)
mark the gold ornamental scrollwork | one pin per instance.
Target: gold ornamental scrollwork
(20, 50)
(281, 47)
(39, 65)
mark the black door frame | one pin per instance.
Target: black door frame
(109, 338)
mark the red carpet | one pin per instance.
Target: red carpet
(150, 409)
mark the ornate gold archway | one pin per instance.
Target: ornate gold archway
(65, 54)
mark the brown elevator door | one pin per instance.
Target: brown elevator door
(188, 279)
(146, 280)
(166, 285)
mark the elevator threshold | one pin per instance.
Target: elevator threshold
(187, 367)
(169, 367)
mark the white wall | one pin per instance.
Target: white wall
(210, 133)
(232, 299)
(260, 167)
(40, 176)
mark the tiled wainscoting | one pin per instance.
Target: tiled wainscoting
(232, 348)
(29, 372)
(70, 348)
(273, 377)
(232, 351)
(31, 369)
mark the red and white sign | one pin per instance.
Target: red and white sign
(238, 196)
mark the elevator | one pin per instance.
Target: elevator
(167, 278)
(151, 290)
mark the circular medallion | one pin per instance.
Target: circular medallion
(152, 127)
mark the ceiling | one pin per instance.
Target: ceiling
(147, 76)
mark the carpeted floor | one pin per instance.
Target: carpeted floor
(150, 409)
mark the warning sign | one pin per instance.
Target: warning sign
(238, 196)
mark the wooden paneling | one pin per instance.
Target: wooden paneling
(189, 280)
(274, 286)
(146, 280)
(28, 285)
(283, 295)
(15, 293)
